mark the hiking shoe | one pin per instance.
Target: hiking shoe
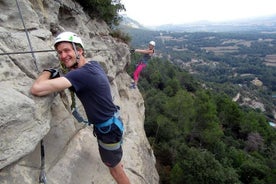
(132, 86)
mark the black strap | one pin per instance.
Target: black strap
(42, 175)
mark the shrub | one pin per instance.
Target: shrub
(106, 10)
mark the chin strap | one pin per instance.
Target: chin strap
(77, 56)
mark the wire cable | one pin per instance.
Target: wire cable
(27, 35)
(42, 176)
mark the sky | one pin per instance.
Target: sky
(158, 12)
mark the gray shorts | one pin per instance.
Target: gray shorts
(109, 142)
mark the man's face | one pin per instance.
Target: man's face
(66, 54)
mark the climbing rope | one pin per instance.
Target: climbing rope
(26, 52)
(42, 176)
(27, 35)
(40, 51)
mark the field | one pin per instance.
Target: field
(270, 60)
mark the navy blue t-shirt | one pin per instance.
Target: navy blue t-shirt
(91, 86)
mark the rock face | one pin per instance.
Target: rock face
(71, 153)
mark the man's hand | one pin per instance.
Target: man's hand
(54, 72)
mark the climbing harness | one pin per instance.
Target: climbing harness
(105, 128)
(42, 176)
(109, 122)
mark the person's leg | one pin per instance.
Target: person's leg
(119, 174)
(137, 72)
(110, 149)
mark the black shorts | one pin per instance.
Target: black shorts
(109, 142)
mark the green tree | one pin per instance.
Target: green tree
(253, 171)
(106, 10)
(202, 136)
(230, 115)
(200, 167)
(180, 110)
(206, 127)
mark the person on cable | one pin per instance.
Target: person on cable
(147, 54)
(89, 82)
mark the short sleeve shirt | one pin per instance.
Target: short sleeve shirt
(92, 87)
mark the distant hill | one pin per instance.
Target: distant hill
(256, 24)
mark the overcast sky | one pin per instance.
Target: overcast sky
(157, 12)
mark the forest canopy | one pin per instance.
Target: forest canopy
(203, 137)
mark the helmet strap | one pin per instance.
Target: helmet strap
(77, 56)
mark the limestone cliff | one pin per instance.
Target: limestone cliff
(71, 153)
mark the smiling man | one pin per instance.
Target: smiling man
(90, 83)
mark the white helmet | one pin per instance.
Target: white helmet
(68, 37)
(152, 43)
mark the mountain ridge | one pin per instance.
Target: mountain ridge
(265, 23)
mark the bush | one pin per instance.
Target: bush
(106, 10)
(121, 35)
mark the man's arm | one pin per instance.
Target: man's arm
(43, 85)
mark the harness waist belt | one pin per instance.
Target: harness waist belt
(115, 119)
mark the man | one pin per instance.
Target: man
(143, 62)
(89, 81)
